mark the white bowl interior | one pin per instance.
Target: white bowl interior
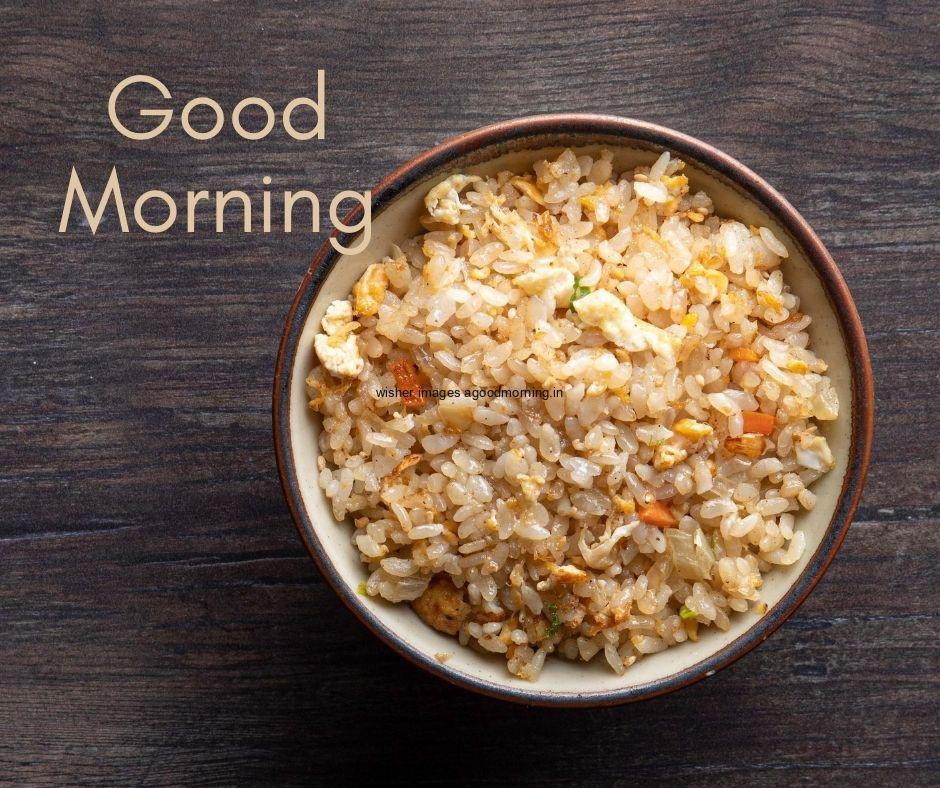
(398, 221)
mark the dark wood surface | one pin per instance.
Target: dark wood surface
(160, 622)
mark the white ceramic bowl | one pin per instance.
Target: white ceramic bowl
(738, 193)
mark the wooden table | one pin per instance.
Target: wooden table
(160, 621)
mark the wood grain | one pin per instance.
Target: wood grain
(160, 622)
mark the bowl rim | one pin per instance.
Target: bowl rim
(756, 189)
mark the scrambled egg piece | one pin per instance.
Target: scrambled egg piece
(626, 505)
(369, 291)
(613, 317)
(692, 429)
(443, 201)
(551, 282)
(797, 365)
(814, 452)
(457, 411)
(336, 347)
(666, 456)
(825, 403)
(531, 485)
(706, 283)
(529, 190)
(566, 574)
(338, 315)
(510, 228)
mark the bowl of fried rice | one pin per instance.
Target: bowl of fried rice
(586, 419)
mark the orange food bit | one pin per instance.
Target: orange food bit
(750, 444)
(761, 423)
(407, 382)
(657, 513)
(743, 354)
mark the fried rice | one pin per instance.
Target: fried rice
(578, 415)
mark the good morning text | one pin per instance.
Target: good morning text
(255, 209)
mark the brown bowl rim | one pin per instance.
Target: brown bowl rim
(733, 173)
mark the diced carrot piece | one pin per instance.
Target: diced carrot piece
(743, 354)
(408, 382)
(657, 513)
(761, 423)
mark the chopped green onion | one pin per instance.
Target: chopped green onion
(687, 613)
(578, 291)
(555, 621)
(361, 589)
